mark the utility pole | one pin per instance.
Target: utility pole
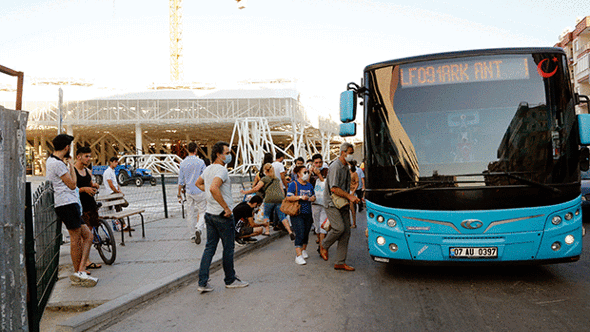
(60, 101)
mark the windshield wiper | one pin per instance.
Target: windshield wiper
(527, 181)
(405, 190)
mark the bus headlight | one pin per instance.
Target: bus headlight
(556, 246)
(569, 240)
(380, 219)
(391, 222)
(569, 216)
(380, 240)
(393, 247)
(577, 212)
(371, 215)
(556, 220)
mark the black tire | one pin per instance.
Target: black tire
(98, 179)
(138, 182)
(122, 178)
(106, 246)
(153, 181)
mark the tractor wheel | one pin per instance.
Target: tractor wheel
(138, 182)
(153, 181)
(98, 179)
(122, 178)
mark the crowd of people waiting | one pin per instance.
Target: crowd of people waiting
(324, 193)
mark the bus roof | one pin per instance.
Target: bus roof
(460, 54)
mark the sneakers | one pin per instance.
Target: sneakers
(292, 236)
(299, 260)
(240, 242)
(83, 279)
(198, 237)
(204, 289)
(304, 254)
(250, 240)
(237, 284)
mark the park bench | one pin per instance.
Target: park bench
(108, 210)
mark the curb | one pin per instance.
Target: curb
(114, 310)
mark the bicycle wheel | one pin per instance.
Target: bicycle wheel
(105, 243)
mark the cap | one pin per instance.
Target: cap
(61, 141)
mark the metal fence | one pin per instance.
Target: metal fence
(42, 246)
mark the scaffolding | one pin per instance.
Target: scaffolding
(164, 121)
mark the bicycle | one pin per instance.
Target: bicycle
(104, 242)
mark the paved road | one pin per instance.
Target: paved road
(286, 297)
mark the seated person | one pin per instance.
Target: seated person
(246, 228)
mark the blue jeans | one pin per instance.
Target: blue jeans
(272, 212)
(223, 228)
(301, 225)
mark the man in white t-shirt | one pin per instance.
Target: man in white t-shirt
(111, 185)
(280, 169)
(63, 179)
(216, 184)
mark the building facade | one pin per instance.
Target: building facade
(577, 47)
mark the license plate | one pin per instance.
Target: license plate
(474, 252)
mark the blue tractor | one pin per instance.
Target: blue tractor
(126, 174)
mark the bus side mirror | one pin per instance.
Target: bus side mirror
(584, 129)
(347, 129)
(347, 106)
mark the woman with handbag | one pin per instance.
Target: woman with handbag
(273, 197)
(301, 191)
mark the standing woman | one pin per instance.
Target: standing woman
(302, 191)
(273, 197)
(267, 159)
(354, 184)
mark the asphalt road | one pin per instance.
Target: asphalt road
(283, 296)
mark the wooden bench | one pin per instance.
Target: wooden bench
(108, 211)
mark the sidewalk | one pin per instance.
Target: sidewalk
(144, 268)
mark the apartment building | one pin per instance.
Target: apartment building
(577, 47)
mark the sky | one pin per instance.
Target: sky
(322, 44)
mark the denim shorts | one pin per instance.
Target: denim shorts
(274, 209)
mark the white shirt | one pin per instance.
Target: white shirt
(109, 174)
(279, 168)
(190, 169)
(217, 171)
(55, 169)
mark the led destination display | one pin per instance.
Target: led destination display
(473, 70)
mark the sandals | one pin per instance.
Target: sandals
(93, 266)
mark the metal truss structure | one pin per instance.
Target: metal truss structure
(163, 122)
(157, 163)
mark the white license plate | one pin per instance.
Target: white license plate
(473, 252)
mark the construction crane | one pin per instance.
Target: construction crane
(176, 40)
(176, 73)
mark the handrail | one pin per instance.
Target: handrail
(19, 90)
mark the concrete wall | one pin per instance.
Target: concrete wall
(13, 283)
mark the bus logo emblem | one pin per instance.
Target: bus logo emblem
(472, 223)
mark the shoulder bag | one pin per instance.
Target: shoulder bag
(291, 207)
(339, 201)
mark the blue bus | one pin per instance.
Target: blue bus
(472, 157)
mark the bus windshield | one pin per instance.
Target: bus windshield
(471, 129)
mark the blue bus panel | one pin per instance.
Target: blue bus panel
(542, 234)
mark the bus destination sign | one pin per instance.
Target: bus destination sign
(468, 71)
